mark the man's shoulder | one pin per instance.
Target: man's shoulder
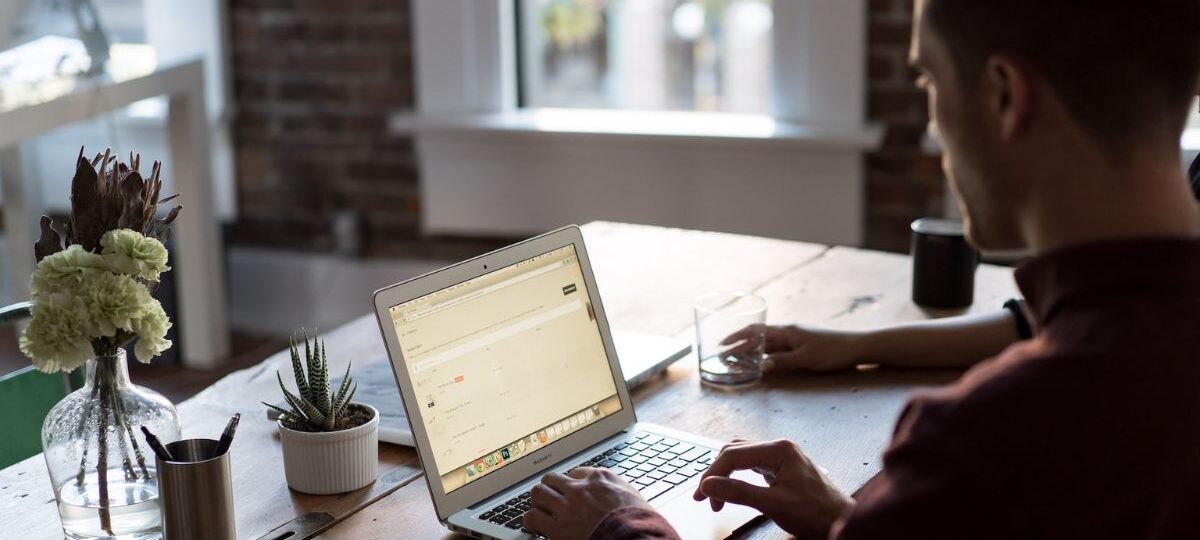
(1027, 376)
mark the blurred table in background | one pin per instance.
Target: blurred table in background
(29, 109)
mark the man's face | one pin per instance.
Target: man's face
(971, 159)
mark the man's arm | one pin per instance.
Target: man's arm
(952, 342)
(956, 342)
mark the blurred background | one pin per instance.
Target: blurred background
(355, 143)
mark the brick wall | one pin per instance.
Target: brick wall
(314, 80)
(903, 183)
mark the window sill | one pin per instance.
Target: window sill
(642, 126)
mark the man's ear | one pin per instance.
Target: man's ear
(1006, 94)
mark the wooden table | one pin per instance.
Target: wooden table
(648, 277)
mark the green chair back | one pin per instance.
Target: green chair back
(26, 395)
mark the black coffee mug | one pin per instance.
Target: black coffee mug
(943, 264)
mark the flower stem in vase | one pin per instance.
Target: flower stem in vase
(102, 451)
(126, 427)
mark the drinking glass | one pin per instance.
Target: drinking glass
(730, 337)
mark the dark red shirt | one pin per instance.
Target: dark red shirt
(1091, 430)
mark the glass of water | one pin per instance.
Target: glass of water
(730, 337)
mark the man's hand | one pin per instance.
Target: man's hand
(799, 498)
(790, 348)
(571, 506)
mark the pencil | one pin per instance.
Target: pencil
(156, 445)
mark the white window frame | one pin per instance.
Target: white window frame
(803, 173)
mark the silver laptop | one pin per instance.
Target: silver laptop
(507, 370)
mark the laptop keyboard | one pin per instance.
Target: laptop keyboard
(651, 463)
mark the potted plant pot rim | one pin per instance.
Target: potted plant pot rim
(339, 435)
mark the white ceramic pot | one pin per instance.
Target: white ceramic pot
(335, 462)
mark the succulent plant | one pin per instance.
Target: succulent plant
(314, 408)
(115, 196)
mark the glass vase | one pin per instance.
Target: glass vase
(100, 466)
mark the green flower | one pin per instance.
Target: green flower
(151, 330)
(57, 337)
(132, 253)
(84, 301)
(113, 302)
(65, 270)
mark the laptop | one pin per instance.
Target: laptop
(507, 370)
(642, 357)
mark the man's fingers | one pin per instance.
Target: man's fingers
(558, 482)
(538, 520)
(545, 498)
(729, 490)
(580, 473)
(735, 442)
(747, 456)
(745, 333)
(783, 361)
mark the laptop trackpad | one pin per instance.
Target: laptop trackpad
(695, 520)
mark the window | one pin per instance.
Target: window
(1194, 119)
(689, 55)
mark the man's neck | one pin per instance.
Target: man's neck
(1149, 198)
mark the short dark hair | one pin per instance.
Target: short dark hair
(1123, 68)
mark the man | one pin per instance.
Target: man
(1061, 123)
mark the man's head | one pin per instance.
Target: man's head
(1019, 89)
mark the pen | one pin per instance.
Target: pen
(157, 446)
(227, 435)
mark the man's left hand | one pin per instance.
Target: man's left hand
(571, 506)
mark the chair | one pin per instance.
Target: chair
(26, 395)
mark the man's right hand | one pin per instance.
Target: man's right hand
(798, 497)
(790, 348)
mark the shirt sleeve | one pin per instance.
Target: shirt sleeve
(924, 491)
(634, 523)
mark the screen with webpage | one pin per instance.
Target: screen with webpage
(505, 364)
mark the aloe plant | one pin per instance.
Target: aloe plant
(313, 407)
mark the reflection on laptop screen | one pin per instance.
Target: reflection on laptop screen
(505, 363)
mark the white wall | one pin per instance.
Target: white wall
(514, 187)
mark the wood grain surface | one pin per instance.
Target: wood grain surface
(648, 277)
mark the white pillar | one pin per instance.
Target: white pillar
(199, 264)
(22, 209)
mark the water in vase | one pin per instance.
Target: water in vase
(132, 513)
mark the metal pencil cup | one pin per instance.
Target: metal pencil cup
(195, 492)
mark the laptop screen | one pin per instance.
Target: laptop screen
(504, 364)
